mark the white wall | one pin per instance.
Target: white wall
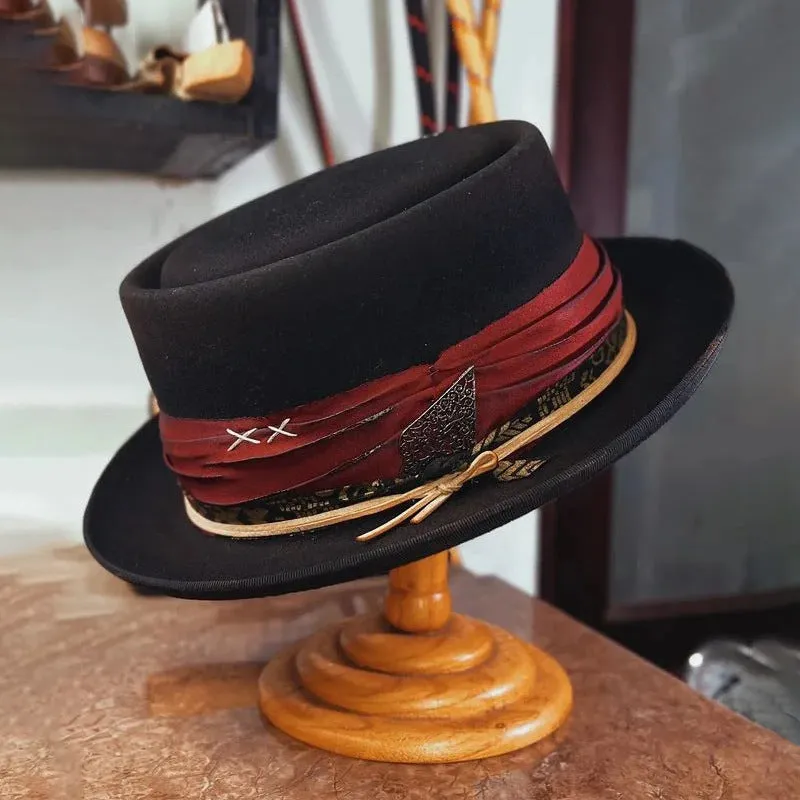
(71, 386)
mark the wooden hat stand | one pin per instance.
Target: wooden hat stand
(417, 683)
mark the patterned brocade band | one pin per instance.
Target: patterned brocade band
(548, 406)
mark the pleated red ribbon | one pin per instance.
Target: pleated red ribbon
(353, 437)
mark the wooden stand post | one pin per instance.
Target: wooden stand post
(415, 684)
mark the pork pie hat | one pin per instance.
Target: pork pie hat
(386, 359)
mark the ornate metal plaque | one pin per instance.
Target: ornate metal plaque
(444, 431)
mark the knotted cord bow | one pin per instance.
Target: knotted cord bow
(438, 495)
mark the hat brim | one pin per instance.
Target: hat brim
(135, 524)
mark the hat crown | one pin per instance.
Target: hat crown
(351, 274)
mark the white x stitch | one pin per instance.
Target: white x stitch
(242, 437)
(280, 429)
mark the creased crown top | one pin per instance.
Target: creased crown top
(353, 273)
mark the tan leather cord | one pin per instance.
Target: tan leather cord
(475, 59)
(427, 498)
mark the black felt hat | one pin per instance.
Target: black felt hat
(381, 329)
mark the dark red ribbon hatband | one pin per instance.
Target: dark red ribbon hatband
(353, 437)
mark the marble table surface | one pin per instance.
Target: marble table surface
(106, 693)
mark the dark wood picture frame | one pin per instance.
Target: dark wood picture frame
(593, 91)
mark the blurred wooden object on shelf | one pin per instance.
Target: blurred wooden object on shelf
(103, 63)
(66, 49)
(222, 73)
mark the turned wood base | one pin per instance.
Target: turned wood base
(427, 687)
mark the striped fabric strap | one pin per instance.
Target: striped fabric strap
(420, 51)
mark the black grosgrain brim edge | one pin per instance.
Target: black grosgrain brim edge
(503, 502)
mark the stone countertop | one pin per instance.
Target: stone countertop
(106, 693)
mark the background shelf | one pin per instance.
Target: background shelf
(45, 124)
